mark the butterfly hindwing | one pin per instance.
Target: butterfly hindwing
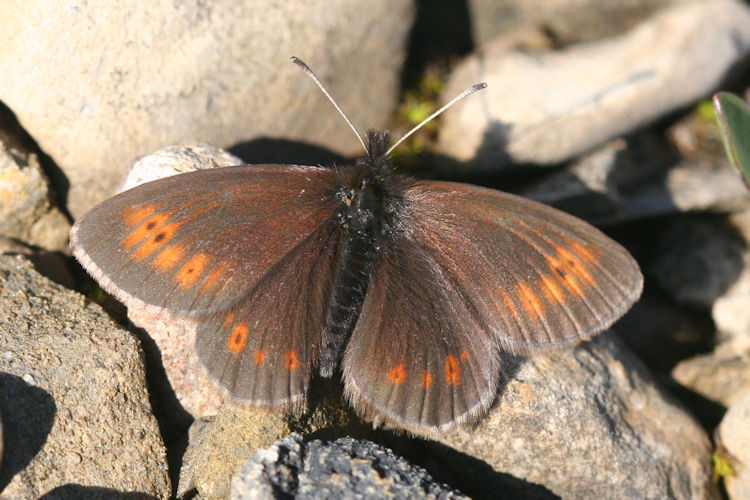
(243, 251)
(418, 356)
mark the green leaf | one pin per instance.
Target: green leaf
(733, 118)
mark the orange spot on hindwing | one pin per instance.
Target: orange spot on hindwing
(238, 338)
(464, 356)
(191, 270)
(426, 379)
(452, 370)
(291, 361)
(397, 375)
(259, 357)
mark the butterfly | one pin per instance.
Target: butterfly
(409, 289)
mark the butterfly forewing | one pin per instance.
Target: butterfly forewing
(243, 251)
(536, 276)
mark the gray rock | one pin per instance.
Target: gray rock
(72, 393)
(26, 209)
(734, 435)
(345, 468)
(697, 259)
(217, 449)
(568, 20)
(730, 311)
(550, 106)
(630, 180)
(107, 82)
(587, 423)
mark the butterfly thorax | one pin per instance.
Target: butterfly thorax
(368, 193)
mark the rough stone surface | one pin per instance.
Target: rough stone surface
(721, 376)
(99, 84)
(567, 20)
(550, 106)
(630, 180)
(587, 423)
(26, 210)
(345, 468)
(72, 395)
(734, 433)
(218, 449)
(698, 259)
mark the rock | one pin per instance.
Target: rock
(734, 435)
(721, 376)
(26, 209)
(730, 311)
(548, 107)
(634, 179)
(107, 83)
(72, 394)
(345, 468)
(568, 21)
(698, 258)
(584, 423)
(218, 448)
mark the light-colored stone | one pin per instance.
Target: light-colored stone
(99, 84)
(550, 106)
(26, 210)
(734, 435)
(73, 395)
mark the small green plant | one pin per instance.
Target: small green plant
(733, 119)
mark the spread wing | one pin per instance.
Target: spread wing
(244, 251)
(468, 271)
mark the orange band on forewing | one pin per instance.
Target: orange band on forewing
(191, 270)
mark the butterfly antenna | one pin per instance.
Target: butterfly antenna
(465, 93)
(299, 62)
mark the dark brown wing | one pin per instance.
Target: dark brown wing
(244, 251)
(470, 270)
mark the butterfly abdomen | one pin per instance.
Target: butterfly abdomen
(365, 220)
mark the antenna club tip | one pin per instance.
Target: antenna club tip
(480, 85)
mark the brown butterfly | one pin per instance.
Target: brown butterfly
(412, 288)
